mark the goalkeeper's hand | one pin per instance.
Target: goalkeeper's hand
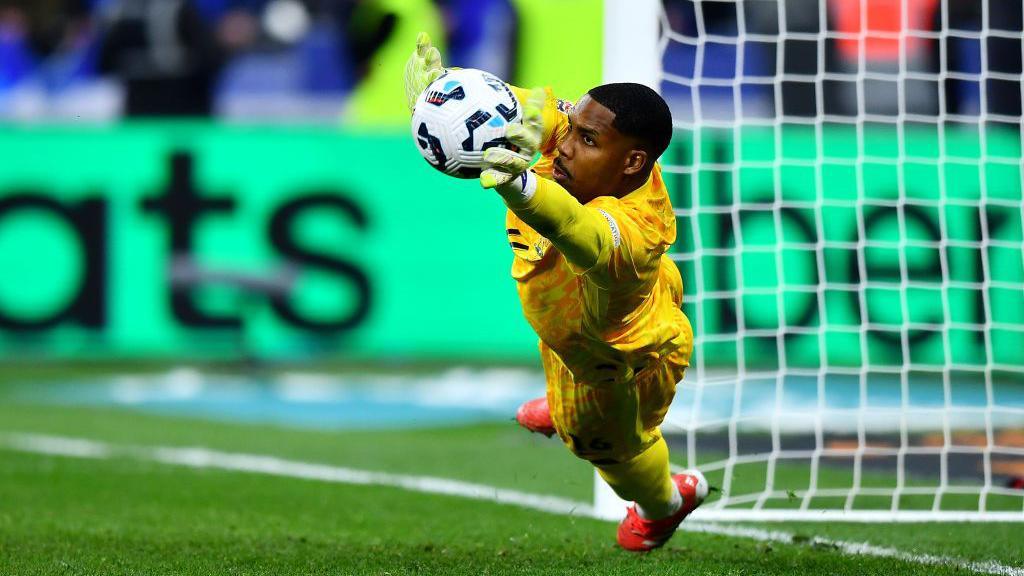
(502, 165)
(422, 68)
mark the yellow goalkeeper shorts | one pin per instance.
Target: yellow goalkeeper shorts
(607, 424)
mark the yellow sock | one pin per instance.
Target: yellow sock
(645, 480)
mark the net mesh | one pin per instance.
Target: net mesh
(847, 179)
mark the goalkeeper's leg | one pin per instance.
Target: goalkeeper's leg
(646, 480)
(616, 429)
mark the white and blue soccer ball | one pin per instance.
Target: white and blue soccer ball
(461, 114)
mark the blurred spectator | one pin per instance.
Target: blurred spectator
(289, 59)
(481, 34)
(238, 29)
(165, 54)
(1002, 55)
(892, 43)
(48, 62)
(16, 58)
(32, 32)
(721, 55)
(47, 23)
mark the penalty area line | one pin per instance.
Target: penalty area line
(205, 458)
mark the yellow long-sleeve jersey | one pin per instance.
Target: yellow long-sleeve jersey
(593, 279)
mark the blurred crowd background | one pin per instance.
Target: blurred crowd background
(320, 59)
(917, 59)
(232, 58)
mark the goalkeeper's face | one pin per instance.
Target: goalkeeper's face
(595, 159)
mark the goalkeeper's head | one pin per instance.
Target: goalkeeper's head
(617, 133)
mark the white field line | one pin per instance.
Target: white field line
(203, 458)
(271, 466)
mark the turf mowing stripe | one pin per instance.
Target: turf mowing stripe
(204, 458)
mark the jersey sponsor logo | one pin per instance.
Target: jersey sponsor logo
(616, 236)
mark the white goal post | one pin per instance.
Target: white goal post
(848, 184)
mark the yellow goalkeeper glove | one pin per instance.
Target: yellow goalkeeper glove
(503, 165)
(422, 68)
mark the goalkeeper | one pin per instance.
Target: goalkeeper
(589, 225)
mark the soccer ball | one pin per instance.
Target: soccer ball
(461, 114)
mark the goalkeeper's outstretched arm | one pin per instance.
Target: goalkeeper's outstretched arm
(583, 235)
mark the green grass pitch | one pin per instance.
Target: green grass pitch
(61, 515)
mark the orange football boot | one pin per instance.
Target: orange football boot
(639, 535)
(536, 417)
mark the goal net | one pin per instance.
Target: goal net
(848, 184)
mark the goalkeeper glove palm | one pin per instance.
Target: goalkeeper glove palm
(501, 165)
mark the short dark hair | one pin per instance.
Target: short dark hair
(639, 111)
